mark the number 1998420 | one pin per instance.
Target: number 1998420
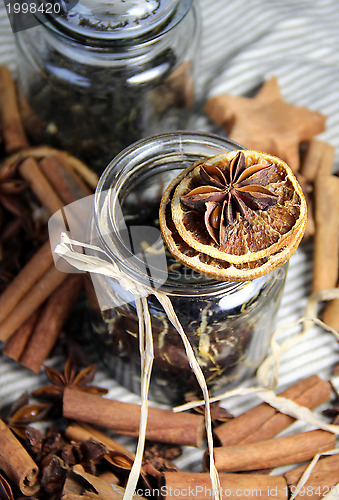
(33, 8)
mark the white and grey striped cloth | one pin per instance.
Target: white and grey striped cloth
(244, 42)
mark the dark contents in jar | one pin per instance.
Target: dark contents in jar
(94, 112)
(219, 336)
(220, 351)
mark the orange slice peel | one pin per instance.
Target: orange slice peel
(236, 230)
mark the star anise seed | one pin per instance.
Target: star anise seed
(28, 413)
(227, 192)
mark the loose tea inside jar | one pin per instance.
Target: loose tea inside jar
(228, 324)
(105, 74)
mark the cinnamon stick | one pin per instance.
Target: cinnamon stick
(24, 281)
(67, 162)
(15, 346)
(318, 159)
(264, 422)
(330, 315)
(17, 463)
(31, 301)
(124, 418)
(326, 241)
(310, 226)
(183, 485)
(29, 169)
(323, 477)
(30, 117)
(272, 453)
(12, 128)
(307, 187)
(52, 318)
(80, 168)
(65, 182)
(84, 432)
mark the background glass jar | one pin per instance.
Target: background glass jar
(229, 325)
(108, 73)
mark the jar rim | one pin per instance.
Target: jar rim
(150, 33)
(122, 168)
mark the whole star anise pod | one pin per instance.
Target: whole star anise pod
(69, 378)
(226, 192)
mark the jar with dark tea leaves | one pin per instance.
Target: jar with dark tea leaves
(105, 74)
(229, 325)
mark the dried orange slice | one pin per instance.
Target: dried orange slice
(235, 216)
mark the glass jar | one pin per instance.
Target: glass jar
(106, 74)
(229, 325)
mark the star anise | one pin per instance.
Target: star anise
(159, 456)
(228, 191)
(121, 466)
(219, 415)
(69, 378)
(22, 413)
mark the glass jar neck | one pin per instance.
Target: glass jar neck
(161, 155)
(104, 30)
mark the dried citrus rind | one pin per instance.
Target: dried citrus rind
(255, 243)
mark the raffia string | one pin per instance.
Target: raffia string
(168, 308)
(147, 356)
(69, 250)
(267, 376)
(267, 373)
(307, 472)
(284, 405)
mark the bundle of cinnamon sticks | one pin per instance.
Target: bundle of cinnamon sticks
(248, 443)
(36, 304)
(246, 449)
(323, 206)
(322, 193)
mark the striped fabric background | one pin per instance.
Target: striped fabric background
(244, 42)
